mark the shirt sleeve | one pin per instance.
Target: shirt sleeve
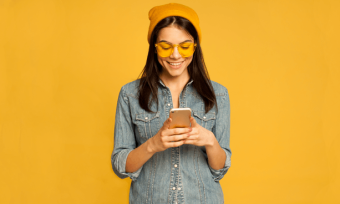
(222, 134)
(124, 138)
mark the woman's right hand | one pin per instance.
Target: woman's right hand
(166, 138)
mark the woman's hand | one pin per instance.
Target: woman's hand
(166, 138)
(199, 136)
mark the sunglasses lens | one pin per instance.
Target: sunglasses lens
(164, 49)
(186, 49)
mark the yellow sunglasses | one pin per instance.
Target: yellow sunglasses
(186, 49)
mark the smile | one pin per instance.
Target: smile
(175, 64)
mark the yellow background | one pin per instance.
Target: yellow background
(63, 62)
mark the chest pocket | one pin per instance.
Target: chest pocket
(147, 124)
(206, 120)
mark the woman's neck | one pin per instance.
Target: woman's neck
(175, 84)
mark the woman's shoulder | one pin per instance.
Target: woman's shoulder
(219, 89)
(131, 88)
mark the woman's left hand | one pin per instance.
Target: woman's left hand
(199, 136)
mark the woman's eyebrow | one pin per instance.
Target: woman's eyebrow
(171, 43)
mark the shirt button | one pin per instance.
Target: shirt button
(179, 189)
(173, 188)
(146, 118)
(168, 104)
(175, 165)
(204, 117)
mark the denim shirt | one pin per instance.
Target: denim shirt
(176, 175)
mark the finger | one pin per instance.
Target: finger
(178, 131)
(193, 122)
(192, 137)
(166, 124)
(174, 144)
(176, 138)
(193, 142)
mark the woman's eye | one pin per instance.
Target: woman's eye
(165, 48)
(185, 48)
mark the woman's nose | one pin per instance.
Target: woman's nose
(175, 54)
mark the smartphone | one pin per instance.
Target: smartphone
(180, 117)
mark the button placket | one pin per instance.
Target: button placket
(174, 154)
(182, 98)
(177, 171)
(172, 176)
(175, 178)
(167, 102)
(175, 163)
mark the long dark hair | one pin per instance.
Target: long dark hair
(148, 86)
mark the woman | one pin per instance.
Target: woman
(180, 165)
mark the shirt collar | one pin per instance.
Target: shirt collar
(160, 81)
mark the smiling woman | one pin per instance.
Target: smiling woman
(173, 165)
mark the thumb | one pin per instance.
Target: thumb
(167, 123)
(193, 122)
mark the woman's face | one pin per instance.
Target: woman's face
(173, 35)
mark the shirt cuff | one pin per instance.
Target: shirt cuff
(219, 174)
(119, 162)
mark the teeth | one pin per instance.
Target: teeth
(175, 64)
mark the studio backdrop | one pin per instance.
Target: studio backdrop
(63, 62)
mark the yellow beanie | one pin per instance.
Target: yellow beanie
(158, 13)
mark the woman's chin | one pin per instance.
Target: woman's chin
(175, 72)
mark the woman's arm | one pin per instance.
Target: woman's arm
(137, 157)
(126, 159)
(216, 155)
(203, 137)
(164, 139)
(216, 141)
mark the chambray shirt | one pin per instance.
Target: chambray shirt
(180, 174)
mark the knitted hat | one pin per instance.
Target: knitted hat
(158, 13)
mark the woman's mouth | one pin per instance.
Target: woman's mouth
(175, 65)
